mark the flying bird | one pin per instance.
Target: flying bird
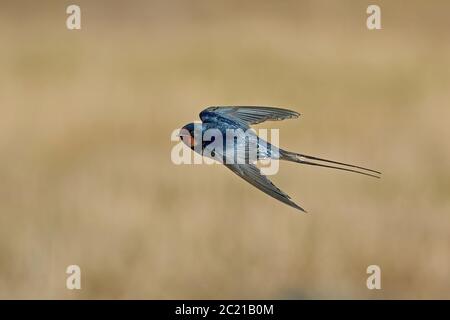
(239, 119)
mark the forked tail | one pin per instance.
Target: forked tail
(304, 159)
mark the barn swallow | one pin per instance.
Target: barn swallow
(235, 118)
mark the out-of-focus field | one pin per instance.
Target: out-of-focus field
(86, 176)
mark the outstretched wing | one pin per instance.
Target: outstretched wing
(252, 174)
(247, 115)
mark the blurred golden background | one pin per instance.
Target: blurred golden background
(86, 175)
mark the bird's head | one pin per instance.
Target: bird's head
(187, 134)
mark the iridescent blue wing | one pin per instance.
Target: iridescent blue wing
(252, 174)
(247, 115)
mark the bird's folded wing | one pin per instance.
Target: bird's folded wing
(248, 115)
(252, 174)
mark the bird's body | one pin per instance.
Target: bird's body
(264, 149)
(240, 153)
